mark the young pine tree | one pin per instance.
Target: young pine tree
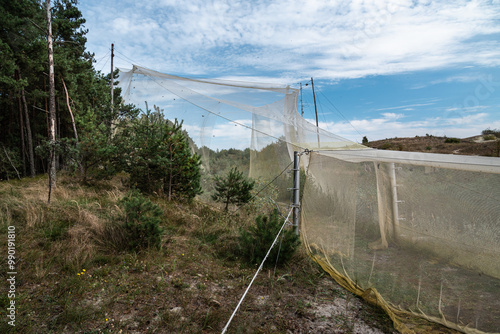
(233, 189)
(256, 240)
(141, 222)
(159, 159)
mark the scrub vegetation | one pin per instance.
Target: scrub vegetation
(84, 266)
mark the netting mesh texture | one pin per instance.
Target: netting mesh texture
(416, 233)
(426, 238)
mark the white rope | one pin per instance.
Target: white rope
(255, 276)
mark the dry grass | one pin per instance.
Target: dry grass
(73, 277)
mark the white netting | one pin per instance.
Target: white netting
(426, 238)
(421, 229)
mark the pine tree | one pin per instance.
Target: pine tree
(158, 157)
(255, 241)
(141, 222)
(233, 189)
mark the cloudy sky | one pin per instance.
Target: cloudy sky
(381, 69)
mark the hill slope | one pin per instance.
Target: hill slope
(72, 279)
(477, 145)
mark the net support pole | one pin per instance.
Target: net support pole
(296, 190)
(395, 201)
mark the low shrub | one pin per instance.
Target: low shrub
(254, 243)
(452, 140)
(493, 132)
(385, 146)
(141, 222)
(489, 137)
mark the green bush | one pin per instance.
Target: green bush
(494, 132)
(452, 140)
(141, 222)
(385, 146)
(255, 242)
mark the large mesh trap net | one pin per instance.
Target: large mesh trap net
(416, 233)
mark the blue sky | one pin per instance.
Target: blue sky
(381, 69)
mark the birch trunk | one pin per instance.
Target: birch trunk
(52, 105)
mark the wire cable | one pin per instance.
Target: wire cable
(127, 58)
(106, 62)
(340, 113)
(267, 185)
(255, 276)
(100, 59)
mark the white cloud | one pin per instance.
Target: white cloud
(288, 40)
(407, 106)
(319, 38)
(389, 126)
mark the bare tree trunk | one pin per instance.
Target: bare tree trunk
(7, 155)
(31, 155)
(52, 107)
(21, 126)
(74, 126)
(46, 106)
(170, 187)
(69, 109)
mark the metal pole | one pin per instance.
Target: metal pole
(296, 190)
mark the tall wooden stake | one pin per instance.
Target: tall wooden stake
(301, 105)
(52, 105)
(315, 110)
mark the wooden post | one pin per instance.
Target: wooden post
(315, 111)
(301, 105)
(112, 91)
